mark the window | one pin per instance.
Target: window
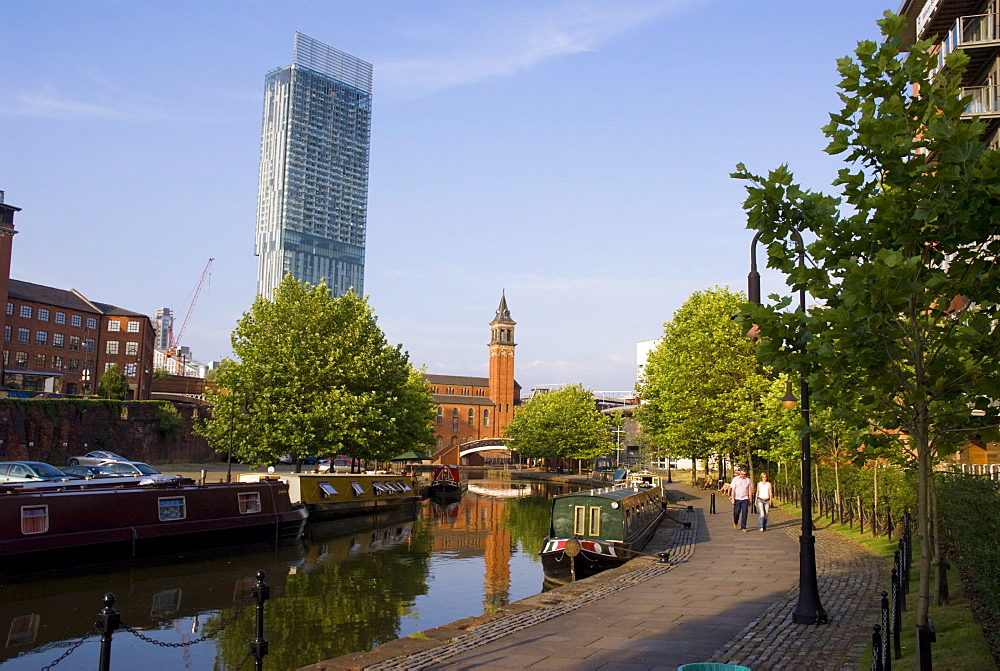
(24, 335)
(89, 344)
(26, 311)
(10, 308)
(114, 326)
(60, 317)
(57, 363)
(43, 315)
(108, 365)
(41, 337)
(486, 417)
(472, 417)
(356, 488)
(74, 343)
(454, 420)
(249, 502)
(440, 415)
(76, 320)
(595, 521)
(57, 339)
(91, 323)
(130, 370)
(172, 508)
(8, 333)
(73, 365)
(326, 490)
(133, 327)
(132, 348)
(40, 362)
(34, 519)
(579, 520)
(112, 347)
(21, 359)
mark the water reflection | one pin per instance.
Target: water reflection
(333, 595)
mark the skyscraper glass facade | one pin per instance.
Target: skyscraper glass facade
(313, 194)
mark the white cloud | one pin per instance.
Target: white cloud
(487, 46)
(51, 106)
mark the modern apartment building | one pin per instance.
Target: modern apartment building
(973, 26)
(312, 198)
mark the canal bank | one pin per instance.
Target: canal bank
(726, 596)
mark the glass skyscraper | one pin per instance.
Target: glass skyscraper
(312, 198)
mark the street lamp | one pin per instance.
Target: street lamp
(809, 609)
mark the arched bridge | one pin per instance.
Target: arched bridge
(481, 446)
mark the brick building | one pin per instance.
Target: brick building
(477, 408)
(60, 341)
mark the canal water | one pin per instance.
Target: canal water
(336, 593)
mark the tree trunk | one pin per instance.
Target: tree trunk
(925, 474)
(694, 471)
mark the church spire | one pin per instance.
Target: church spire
(503, 314)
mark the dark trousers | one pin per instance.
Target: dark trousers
(740, 510)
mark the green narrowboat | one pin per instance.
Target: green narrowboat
(599, 529)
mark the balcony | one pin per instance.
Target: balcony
(985, 101)
(977, 35)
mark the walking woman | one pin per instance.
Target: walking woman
(763, 501)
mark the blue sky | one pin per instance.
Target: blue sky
(575, 154)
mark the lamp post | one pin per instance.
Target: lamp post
(809, 609)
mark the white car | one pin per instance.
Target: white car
(96, 458)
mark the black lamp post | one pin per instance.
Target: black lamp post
(809, 609)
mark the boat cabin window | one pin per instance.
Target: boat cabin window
(394, 486)
(23, 629)
(249, 502)
(326, 490)
(595, 521)
(579, 520)
(379, 488)
(403, 487)
(356, 488)
(172, 508)
(34, 519)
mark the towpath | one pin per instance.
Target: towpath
(726, 596)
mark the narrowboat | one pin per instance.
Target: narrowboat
(338, 496)
(645, 480)
(64, 527)
(599, 529)
(446, 485)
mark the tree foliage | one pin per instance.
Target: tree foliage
(559, 423)
(316, 376)
(894, 260)
(702, 386)
(113, 384)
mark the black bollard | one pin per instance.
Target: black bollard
(897, 615)
(877, 648)
(108, 621)
(664, 557)
(711, 505)
(258, 647)
(886, 624)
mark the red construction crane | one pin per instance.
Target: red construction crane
(194, 299)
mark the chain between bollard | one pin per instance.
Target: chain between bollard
(71, 649)
(195, 641)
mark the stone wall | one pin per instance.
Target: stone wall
(53, 430)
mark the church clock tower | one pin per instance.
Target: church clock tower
(502, 367)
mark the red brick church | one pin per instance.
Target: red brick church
(477, 408)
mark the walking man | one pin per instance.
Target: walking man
(740, 498)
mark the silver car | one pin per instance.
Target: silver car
(96, 458)
(131, 469)
(30, 471)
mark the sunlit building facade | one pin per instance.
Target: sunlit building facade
(313, 192)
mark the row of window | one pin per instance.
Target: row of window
(26, 312)
(58, 363)
(35, 519)
(326, 490)
(464, 392)
(470, 417)
(58, 339)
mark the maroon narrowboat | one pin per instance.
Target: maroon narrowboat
(56, 527)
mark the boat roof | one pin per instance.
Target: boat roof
(615, 493)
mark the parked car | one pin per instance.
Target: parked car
(131, 469)
(30, 471)
(89, 472)
(96, 458)
(48, 394)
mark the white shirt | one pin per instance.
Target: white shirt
(741, 488)
(764, 490)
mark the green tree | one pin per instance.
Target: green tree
(914, 231)
(113, 384)
(560, 423)
(702, 384)
(316, 376)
